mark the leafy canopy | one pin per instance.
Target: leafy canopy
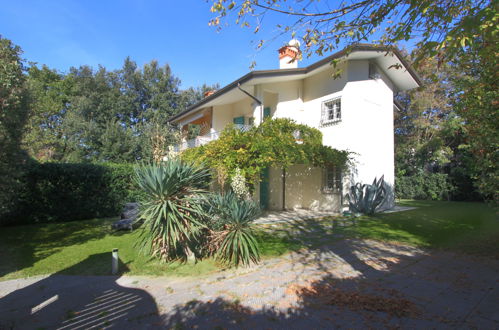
(439, 27)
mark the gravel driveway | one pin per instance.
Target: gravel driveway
(351, 284)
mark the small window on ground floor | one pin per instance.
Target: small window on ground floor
(331, 180)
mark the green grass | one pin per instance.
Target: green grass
(458, 226)
(84, 247)
(81, 248)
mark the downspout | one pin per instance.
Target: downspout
(260, 103)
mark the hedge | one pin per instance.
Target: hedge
(59, 192)
(428, 186)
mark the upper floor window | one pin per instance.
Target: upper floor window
(373, 71)
(331, 111)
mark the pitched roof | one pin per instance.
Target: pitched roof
(298, 71)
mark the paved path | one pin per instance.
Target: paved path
(351, 284)
(291, 216)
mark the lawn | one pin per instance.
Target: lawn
(459, 226)
(84, 247)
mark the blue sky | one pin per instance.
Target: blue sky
(69, 33)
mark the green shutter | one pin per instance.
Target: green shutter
(266, 112)
(239, 120)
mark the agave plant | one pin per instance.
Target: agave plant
(172, 211)
(231, 237)
(366, 198)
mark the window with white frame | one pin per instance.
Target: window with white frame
(331, 180)
(331, 111)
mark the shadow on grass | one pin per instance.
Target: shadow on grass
(22, 246)
(79, 302)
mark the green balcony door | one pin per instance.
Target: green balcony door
(238, 120)
(264, 189)
(266, 112)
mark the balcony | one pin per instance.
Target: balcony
(204, 139)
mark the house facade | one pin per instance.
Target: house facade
(351, 103)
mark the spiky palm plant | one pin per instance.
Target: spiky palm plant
(231, 238)
(172, 211)
(367, 198)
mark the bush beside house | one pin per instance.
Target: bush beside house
(59, 192)
(424, 186)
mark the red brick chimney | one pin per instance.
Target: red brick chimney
(289, 55)
(208, 93)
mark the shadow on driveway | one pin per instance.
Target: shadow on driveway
(78, 302)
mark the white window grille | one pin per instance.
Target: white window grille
(331, 180)
(331, 111)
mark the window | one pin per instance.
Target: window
(331, 111)
(332, 180)
(373, 71)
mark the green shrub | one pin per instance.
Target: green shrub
(232, 237)
(58, 192)
(427, 186)
(171, 208)
(366, 198)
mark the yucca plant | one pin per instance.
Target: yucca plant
(366, 198)
(231, 237)
(172, 210)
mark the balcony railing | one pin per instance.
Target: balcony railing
(204, 139)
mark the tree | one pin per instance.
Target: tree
(13, 114)
(439, 27)
(50, 93)
(193, 95)
(101, 115)
(475, 100)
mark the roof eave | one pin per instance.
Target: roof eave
(282, 72)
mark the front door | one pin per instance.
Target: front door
(264, 189)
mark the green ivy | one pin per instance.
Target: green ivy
(275, 143)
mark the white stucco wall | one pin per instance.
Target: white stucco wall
(366, 128)
(303, 190)
(222, 114)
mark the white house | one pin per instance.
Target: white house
(351, 103)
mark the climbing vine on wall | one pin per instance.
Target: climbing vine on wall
(275, 143)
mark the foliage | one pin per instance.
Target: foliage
(430, 138)
(439, 27)
(14, 110)
(50, 94)
(424, 185)
(171, 209)
(238, 185)
(56, 192)
(102, 115)
(193, 95)
(475, 100)
(273, 143)
(232, 238)
(366, 198)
